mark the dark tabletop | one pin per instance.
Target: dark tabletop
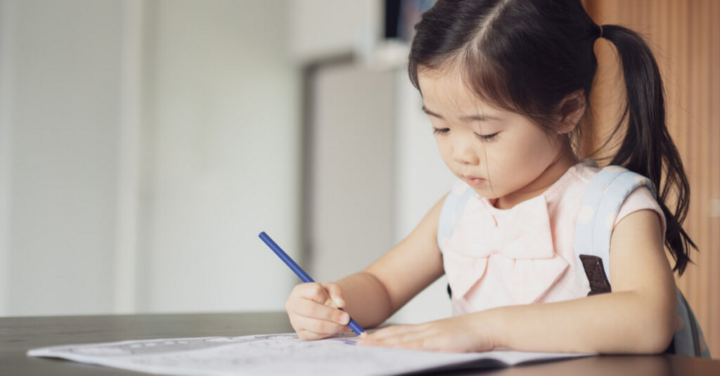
(19, 334)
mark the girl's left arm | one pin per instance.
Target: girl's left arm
(637, 317)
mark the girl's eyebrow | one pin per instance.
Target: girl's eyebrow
(466, 118)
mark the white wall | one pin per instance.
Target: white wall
(145, 144)
(60, 95)
(224, 146)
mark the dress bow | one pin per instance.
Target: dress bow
(512, 254)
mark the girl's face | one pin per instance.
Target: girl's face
(498, 153)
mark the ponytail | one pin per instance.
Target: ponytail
(647, 148)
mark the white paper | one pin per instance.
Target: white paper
(276, 354)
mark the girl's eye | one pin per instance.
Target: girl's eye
(488, 137)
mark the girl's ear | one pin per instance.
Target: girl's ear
(570, 110)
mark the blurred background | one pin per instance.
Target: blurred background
(144, 145)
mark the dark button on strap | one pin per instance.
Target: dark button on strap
(595, 272)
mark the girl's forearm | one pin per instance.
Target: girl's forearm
(366, 299)
(620, 322)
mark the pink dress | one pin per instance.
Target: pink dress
(525, 254)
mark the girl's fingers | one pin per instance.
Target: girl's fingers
(336, 293)
(402, 338)
(318, 327)
(392, 331)
(396, 336)
(313, 310)
(306, 335)
(311, 291)
(416, 344)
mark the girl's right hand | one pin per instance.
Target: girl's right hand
(313, 310)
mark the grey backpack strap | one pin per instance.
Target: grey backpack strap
(600, 205)
(451, 211)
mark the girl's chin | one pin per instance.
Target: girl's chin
(483, 192)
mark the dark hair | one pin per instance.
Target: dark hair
(526, 56)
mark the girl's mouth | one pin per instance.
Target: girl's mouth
(475, 182)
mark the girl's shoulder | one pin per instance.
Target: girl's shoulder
(577, 179)
(641, 198)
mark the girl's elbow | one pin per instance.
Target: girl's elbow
(657, 337)
(659, 324)
(658, 344)
(652, 328)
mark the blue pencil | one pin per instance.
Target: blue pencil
(301, 273)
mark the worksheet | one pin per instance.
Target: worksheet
(277, 354)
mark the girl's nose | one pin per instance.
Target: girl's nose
(465, 154)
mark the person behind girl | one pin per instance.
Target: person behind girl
(506, 84)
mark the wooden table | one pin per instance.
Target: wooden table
(18, 334)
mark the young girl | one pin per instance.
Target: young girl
(506, 84)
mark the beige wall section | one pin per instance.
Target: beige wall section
(352, 169)
(685, 37)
